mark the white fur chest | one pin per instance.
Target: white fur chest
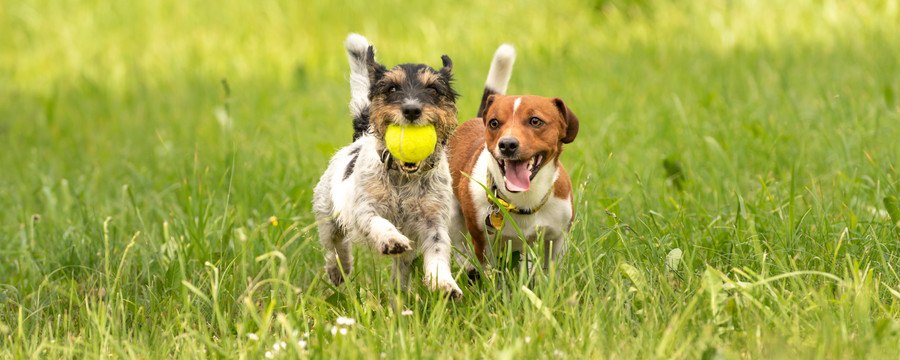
(553, 218)
(399, 198)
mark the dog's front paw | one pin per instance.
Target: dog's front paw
(443, 281)
(393, 243)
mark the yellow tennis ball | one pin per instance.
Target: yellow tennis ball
(410, 143)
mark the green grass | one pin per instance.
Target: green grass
(135, 224)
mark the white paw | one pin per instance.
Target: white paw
(393, 243)
(442, 280)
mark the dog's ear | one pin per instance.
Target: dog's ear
(571, 121)
(486, 102)
(446, 74)
(376, 70)
(447, 70)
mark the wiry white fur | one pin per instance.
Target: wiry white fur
(501, 68)
(386, 210)
(357, 46)
(392, 212)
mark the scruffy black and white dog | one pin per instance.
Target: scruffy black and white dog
(367, 196)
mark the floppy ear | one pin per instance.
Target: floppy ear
(571, 121)
(486, 102)
(376, 70)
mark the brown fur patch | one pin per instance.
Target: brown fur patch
(382, 114)
(396, 76)
(427, 77)
(443, 116)
(464, 148)
(562, 189)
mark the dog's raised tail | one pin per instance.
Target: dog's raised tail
(499, 74)
(357, 48)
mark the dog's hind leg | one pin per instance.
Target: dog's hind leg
(554, 247)
(402, 269)
(338, 252)
(462, 249)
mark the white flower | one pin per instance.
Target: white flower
(334, 330)
(306, 334)
(270, 355)
(283, 345)
(276, 347)
(881, 214)
(343, 331)
(302, 344)
(406, 312)
(345, 321)
(222, 117)
(252, 336)
(527, 339)
(736, 285)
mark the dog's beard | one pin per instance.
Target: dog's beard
(444, 120)
(383, 121)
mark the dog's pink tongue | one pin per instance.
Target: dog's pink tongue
(518, 177)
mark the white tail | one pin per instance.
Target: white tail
(357, 46)
(498, 75)
(501, 69)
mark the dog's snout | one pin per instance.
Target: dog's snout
(508, 146)
(411, 111)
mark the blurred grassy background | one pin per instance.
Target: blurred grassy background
(758, 137)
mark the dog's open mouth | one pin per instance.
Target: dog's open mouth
(517, 174)
(408, 167)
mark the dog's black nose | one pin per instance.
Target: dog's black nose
(411, 111)
(508, 146)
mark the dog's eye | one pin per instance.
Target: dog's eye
(534, 121)
(494, 123)
(431, 90)
(393, 88)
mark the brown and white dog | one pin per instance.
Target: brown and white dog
(512, 148)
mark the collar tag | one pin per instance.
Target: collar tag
(494, 220)
(494, 194)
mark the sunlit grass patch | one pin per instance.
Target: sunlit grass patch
(735, 180)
